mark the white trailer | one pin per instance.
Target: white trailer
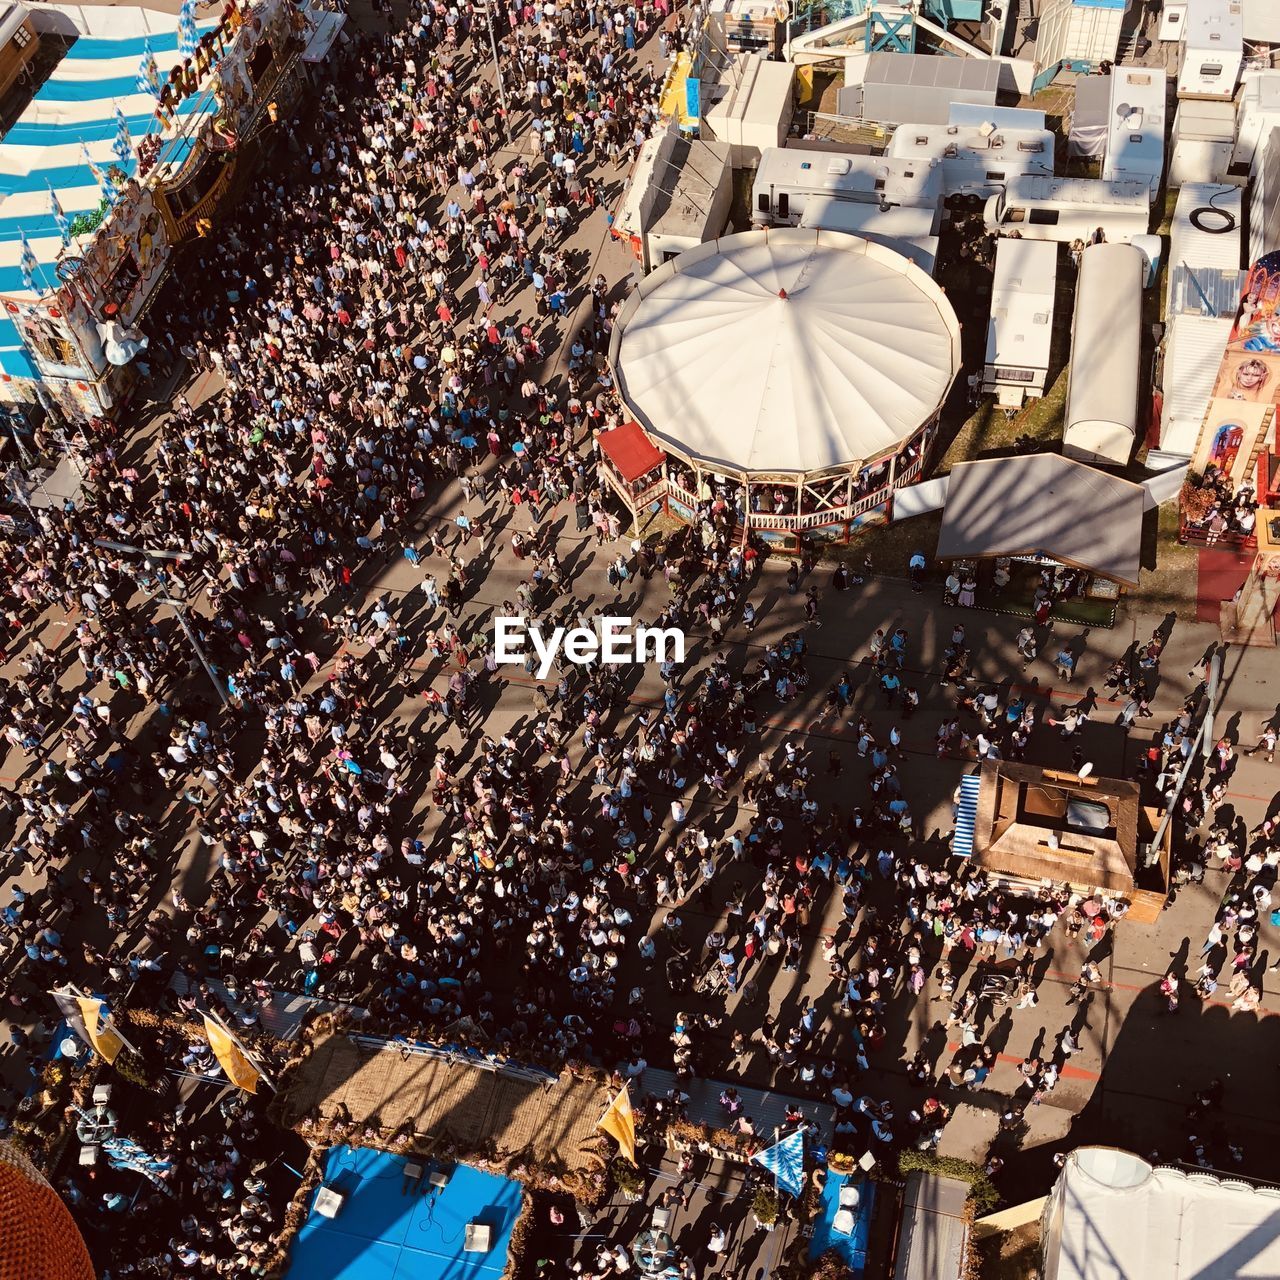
(1066, 209)
(1135, 138)
(788, 178)
(1204, 285)
(910, 232)
(1204, 136)
(679, 196)
(1264, 199)
(977, 160)
(1212, 49)
(1020, 329)
(1101, 422)
(1257, 113)
(750, 107)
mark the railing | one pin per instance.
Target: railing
(813, 17)
(910, 471)
(794, 523)
(874, 499)
(682, 495)
(456, 1055)
(1191, 536)
(651, 493)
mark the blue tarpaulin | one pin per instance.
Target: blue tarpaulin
(390, 1227)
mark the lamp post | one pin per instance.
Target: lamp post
(150, 554)
(1203, 742)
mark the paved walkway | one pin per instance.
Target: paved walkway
(766, 1107)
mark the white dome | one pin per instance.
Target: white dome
(786, 351)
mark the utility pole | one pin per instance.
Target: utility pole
(179, 609)
(486, 8)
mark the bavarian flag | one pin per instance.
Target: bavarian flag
(620, 1124)
(231, 1056)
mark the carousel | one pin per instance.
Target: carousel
(796, 374)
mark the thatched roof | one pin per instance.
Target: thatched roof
(548, 1121)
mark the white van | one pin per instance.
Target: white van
(1067, 209)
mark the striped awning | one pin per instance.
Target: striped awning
(966, 816)
(74, 112)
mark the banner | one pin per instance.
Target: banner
(69, 1006)
(88, 1017)
(99, 1028)
(620, 1124)
(232, 1057)
(785, 1160)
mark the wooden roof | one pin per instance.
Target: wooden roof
(1021, 809)
(1043, 503)
(548, 1120)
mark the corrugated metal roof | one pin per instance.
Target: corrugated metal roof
(1193, 354)
(934, 1229)
(927, 69)
(1206, 292)
(1219, 207)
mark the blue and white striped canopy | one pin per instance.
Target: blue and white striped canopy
(70, 121)
(966, 816)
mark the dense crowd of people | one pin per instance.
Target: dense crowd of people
(393, 315)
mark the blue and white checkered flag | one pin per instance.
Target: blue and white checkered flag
(102, 177)
(60, 217)
(188, 36)
(785, 1160)
(28, 264)
(122, 144)
(148, 77)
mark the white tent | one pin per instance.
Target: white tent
(1112, 1216)
(785, 351)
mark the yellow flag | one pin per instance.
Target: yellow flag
(620, 1124)
(240, 1071)
(103, 1038)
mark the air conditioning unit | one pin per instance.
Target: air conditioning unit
(329, 1202)
(439, 1178)
(478, 1237)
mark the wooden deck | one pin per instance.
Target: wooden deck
(550, 1121)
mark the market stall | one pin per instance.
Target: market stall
(1010, 522)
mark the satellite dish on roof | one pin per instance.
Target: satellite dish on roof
(1124, 110)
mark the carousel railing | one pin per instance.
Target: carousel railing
(681, 494)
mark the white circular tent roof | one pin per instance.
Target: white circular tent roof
(785, 351)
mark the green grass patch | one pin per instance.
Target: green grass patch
(991, 433)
